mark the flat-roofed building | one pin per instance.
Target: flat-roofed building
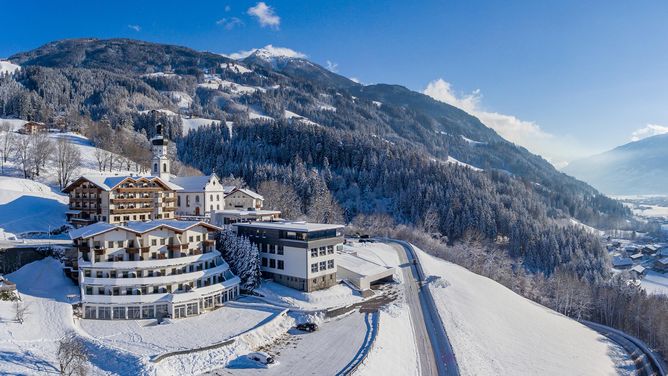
(151, 269)
(296, 254)
(228, 217)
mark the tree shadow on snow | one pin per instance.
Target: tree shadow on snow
(28, 361)
(243, 362)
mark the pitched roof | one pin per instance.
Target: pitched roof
(194, 183)
(109, 182)
(621, 261)
(136, 227)
(248, 192)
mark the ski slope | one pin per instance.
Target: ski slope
(497, 332)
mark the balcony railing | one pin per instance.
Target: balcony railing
(139, 189)
(132, 210)
(130, 200)
(169, 208)
(177, 247)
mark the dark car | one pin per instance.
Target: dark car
(308, 327)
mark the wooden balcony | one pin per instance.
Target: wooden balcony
(131, 200)
(139, 189)
(169, 208)
(177, 247)
(132, 210)
(209, 242)
(169, 199)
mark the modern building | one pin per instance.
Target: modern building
(361, 272)
(153, 269)
(228, 217)
(119, 199)
(296, 254)
(243, 199)
(198, 195)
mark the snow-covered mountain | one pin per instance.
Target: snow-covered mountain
(639, 167)
(8, 67)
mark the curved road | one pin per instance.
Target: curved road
(434, 349)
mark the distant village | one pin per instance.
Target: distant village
(145, 246)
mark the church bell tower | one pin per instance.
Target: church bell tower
(160, 160)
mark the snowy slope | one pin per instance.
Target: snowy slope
(29, 206)
(194, 123)
(497, 332)
(8, 67)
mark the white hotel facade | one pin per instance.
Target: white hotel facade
(154, 269)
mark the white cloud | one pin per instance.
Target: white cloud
(332, 66)
(648, 131)
(135, 27)
(557, 150)
(265, 15)
(230, 23)
(269, 51)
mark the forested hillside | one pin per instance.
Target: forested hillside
(373, 149)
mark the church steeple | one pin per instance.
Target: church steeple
(160, 160)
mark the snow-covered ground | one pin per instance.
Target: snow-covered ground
(8, 67)
(335, 296)
(194, 123)
(180, 98)
(144, 337)
(29, 206)
(460, 163)
(496, 332)
(655, 282)
(291, 115)
(390, 356)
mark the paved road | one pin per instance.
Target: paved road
(647, 362)
(324, 352)
(434, 349)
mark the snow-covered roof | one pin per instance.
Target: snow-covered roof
(193, 183)
(359, 265)
(621, 261)
(109, 182)
(137, 227)
(663, 261)
(636, 256)
(227, 189)
(638, 269)
(248, 192)
(291, 226)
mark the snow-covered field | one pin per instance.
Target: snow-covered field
(496, 332)
(655, 283)
(194, 123)
(335, 296)
(29, 206)
(144, 337)
(8, 67)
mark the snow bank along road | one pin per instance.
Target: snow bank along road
(434, 348)
(647, 362)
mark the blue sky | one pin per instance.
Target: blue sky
(566, 78)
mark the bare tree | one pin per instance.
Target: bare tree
(20, 311)
(72, 356)
(279, 196)
(6, 146)
(100, 156)
(42, 150)
(233, 181)
(23, 155)
(68, 160)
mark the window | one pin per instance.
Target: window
(330, 264)
(280, 249)
(134, 313)
(110, 244)
(280, 264)
(199, 238)
(272, 263)
(197, 199)
(178, 200)
(323, 251)
(264, 261)
(217, 196)
(119, 312)
(90, 313)
(119, 244)
(191, 309)
(188, 201)
(162, 241)
(211, 197)
(148, 312)
(314, 252)
(323, 265)
(330, 249)
(104, 313)
(190, 239)
(314, 267)
(154, 242)
(89, 290)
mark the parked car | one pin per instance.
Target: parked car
(261, 357)
(308, 327)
